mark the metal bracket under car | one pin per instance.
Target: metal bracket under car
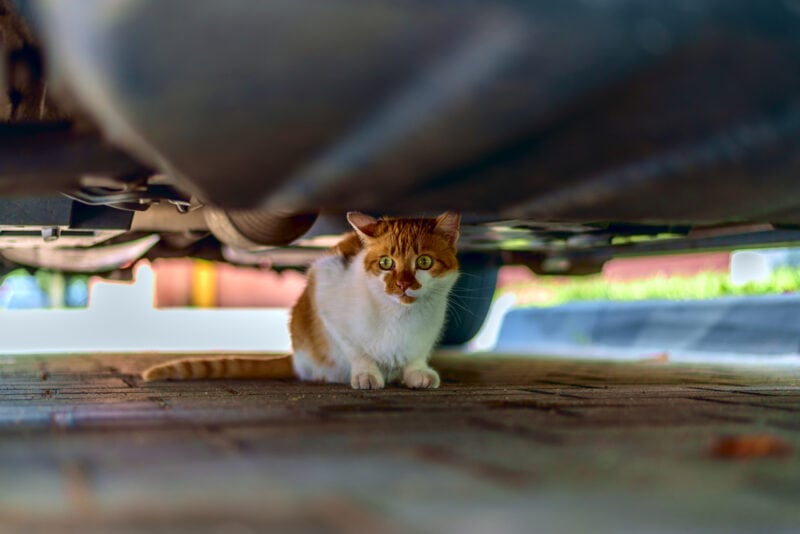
(62, 234)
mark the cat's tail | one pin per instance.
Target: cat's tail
(277, 366)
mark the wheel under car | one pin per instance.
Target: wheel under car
(470, 298)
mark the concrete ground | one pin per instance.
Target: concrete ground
(506, 445)
(751, 328)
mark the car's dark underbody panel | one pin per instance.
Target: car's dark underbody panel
(589, 111)
(554, 126)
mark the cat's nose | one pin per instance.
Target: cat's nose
(403, 285)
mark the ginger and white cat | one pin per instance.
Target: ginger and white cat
(371, 313)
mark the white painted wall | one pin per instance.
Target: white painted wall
(121, 318)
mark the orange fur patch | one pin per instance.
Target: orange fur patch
(348, 247)
(306, 329)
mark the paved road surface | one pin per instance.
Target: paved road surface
(506, 445)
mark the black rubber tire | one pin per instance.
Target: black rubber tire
(470, 298)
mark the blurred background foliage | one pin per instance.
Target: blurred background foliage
(551, 291)
(23, 289)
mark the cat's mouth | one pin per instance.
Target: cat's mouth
(404, 297)
(407, 299)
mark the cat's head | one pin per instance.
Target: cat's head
(410, 259)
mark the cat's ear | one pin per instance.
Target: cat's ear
(364, 225)
(447, 224)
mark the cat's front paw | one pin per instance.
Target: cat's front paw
(366, 380)
(421, 379)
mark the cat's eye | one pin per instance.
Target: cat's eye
(386, 263)
(424, 262)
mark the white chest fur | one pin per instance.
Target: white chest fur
(361, 320)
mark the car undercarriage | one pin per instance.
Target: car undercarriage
(567, 133)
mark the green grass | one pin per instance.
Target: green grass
(549, 292)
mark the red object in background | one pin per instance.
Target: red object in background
(627, 269)
(239, 287)
(242, 287)
(624, 269)
(173, 282)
